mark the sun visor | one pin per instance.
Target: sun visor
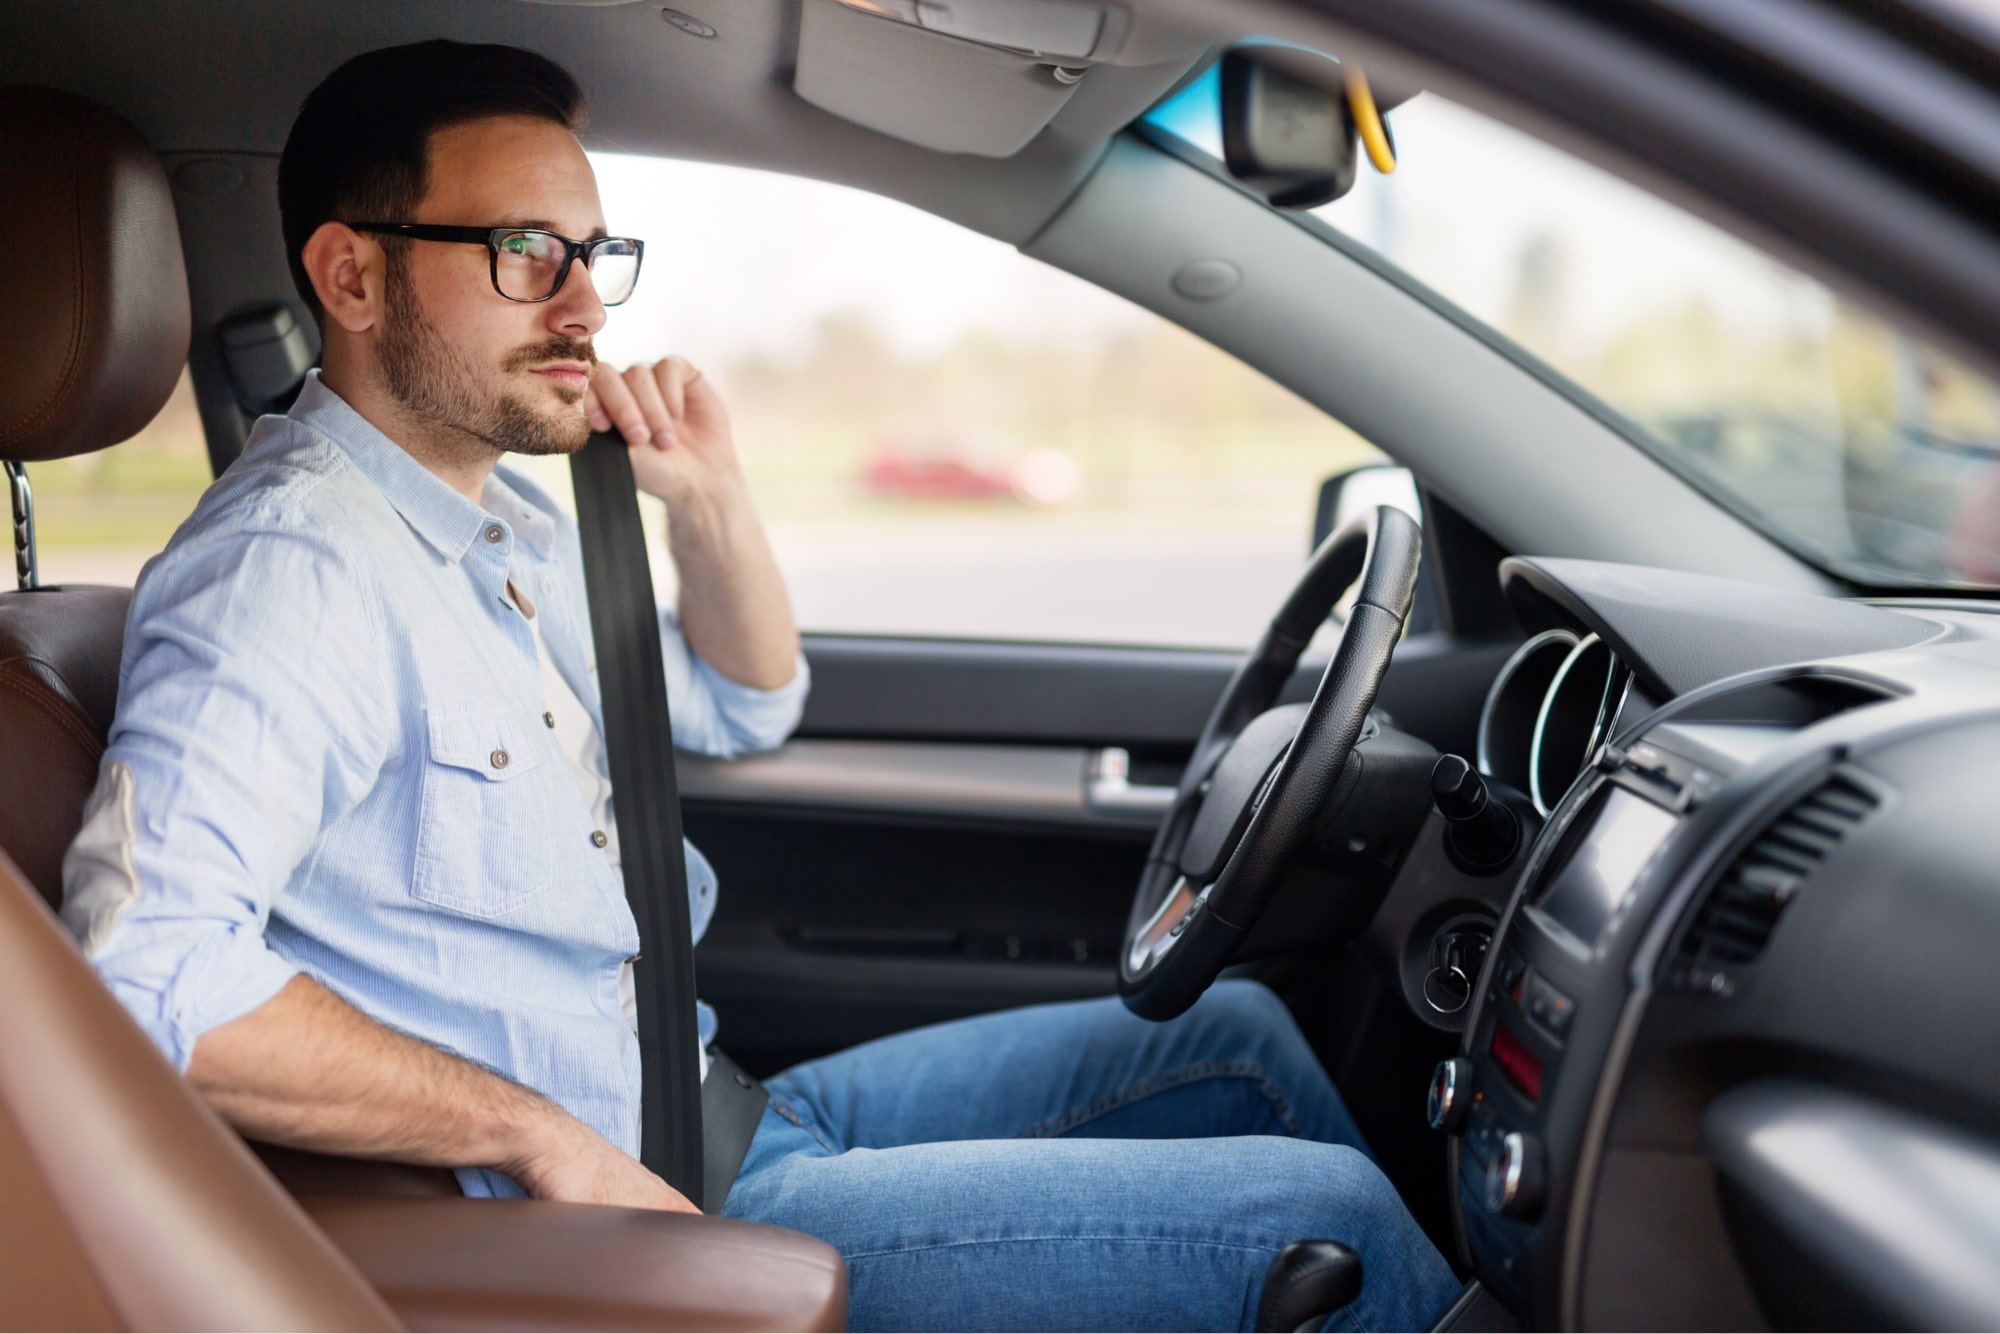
(896, 66)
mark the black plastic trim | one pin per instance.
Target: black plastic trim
(890, 688)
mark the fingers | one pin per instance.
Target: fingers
(645, 385)
(676, 375)
(618, 409)
(645, 404)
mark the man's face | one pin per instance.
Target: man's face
(455, 351)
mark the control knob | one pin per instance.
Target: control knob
(1514, 1177)
(1450, 1101)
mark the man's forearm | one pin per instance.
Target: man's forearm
(733, 606)
(309, 1071)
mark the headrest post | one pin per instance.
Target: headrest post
(23, 497)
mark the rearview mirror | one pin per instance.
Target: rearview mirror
(1285, 136)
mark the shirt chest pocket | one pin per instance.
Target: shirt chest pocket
(486, 825)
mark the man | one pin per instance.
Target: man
(351, 858)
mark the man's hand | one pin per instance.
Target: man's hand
(733, 606)
(675, 424)
(307, 1070)
(577, 1165)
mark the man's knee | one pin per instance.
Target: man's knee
(1246, 1005)
(1338, 1192)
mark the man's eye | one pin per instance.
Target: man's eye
(516, 245)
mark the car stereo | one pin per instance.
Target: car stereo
(1610, 842)
(1550, 958)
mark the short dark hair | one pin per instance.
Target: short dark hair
(360, 148)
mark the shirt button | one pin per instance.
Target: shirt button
(494, 532)
(549, 718)
(499, 758)
(599, 837)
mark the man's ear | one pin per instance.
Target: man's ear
(348, 272)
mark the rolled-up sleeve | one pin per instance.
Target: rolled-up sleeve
(714, 715)
(250, 713)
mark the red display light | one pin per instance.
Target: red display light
(1522, 1067)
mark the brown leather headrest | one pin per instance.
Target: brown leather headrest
(94, 310)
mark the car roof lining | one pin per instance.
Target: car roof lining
(1571, 76)
(655, 89)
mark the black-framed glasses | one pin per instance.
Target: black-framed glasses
(531, 265)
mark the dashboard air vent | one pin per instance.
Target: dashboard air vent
(1741, 909)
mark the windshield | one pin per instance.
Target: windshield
(1861, 448)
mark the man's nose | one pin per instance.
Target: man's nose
(574, 311)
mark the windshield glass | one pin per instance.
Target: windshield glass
(1863, 449)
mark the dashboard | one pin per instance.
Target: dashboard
(1730, 1059)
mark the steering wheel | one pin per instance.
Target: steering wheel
(1260, 777)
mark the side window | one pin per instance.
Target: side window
(99, 517)
(949, 438)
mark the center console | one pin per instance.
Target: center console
(1548, 1002)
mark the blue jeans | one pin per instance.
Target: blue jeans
(1075, 1167)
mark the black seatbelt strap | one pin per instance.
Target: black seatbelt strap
(639, 742)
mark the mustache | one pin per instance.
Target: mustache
(552, 349)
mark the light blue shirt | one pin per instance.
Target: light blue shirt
(331, 757)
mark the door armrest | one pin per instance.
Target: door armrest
(445, 1264)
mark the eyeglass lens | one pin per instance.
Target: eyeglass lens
(528, 266)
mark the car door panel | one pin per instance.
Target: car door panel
(835, 926)
(958, 826)
(957, 690)
(980, 782)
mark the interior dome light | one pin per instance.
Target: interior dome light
(1042, 27)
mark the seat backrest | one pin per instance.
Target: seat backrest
(93, 336)
(59, 652)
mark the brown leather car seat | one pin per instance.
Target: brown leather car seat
(93, 335)
(91, 343)
(59, 654)
(125, 1203)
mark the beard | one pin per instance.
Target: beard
(433, 380)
